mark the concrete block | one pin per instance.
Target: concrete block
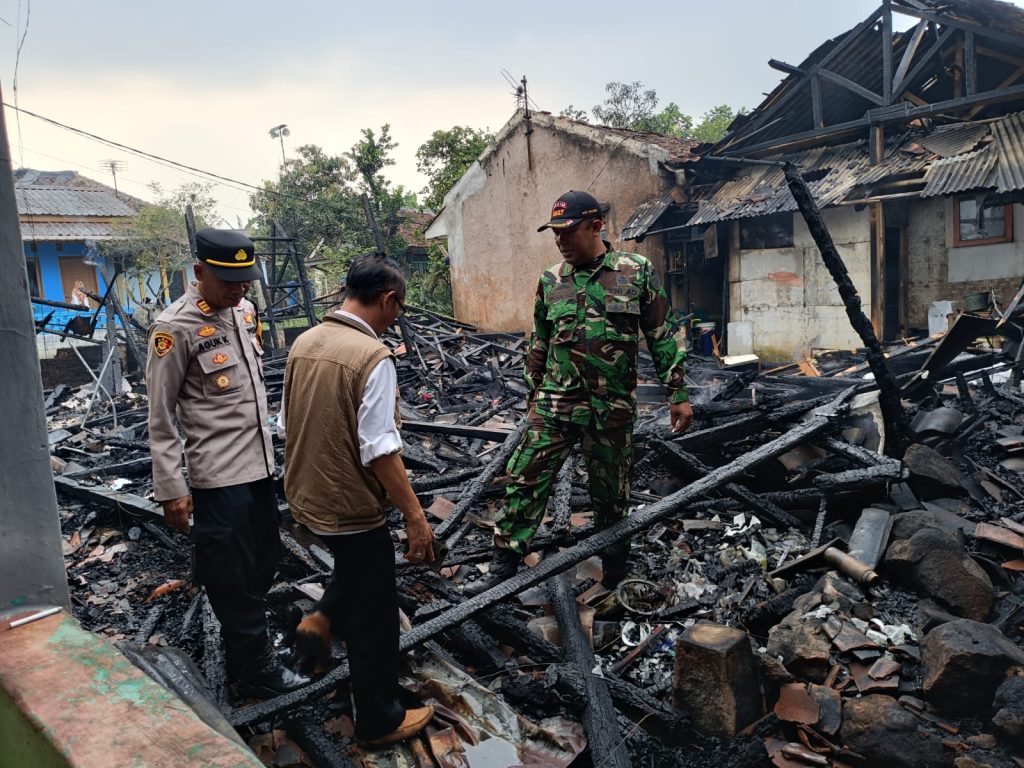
(716, 679)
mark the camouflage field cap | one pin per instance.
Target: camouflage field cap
(228, 253)
(572, 208)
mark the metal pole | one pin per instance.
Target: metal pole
(31, 563)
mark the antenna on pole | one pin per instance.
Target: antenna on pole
(114, 166)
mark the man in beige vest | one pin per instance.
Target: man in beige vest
(343, 463)
(204, 373)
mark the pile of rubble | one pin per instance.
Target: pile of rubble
(796, 597)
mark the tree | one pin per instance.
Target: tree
(445, 156)
(630, 105)
(714, 123)
(156, 237)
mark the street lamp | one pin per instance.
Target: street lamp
(279, 132)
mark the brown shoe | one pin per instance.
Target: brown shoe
(313, 643)
(414, 722)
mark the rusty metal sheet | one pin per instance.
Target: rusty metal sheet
(950, 140)
(645, 215)
(962, 173)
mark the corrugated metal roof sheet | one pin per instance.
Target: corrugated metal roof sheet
(950, 140)
(58, 230)
(1009, 142)
(845, 172)
(645, 215)
(951, 175)
(43, 201)
(762, 190)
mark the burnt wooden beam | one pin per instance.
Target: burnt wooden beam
(479, 485)
(952, 23)
(607, 746)
(908, 54)
(789, 69)
(214, 664)
(857, 88)
(105, 497)
(970, 64)
(924, 61)
(897, 113)
(695, 467)
(886, 52)
(848, 39)
(458, 430)
(565, 559)
(816, 106)
(859, 479)
(855, 453)
(896, 425)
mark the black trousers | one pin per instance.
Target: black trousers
(361, 602)
(237, 543)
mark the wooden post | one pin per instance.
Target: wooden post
(607, 747)
(31, 562)
(897, 429)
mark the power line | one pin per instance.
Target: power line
(166, 162)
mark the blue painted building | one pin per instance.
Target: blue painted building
(64, 218)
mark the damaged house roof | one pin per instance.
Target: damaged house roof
(64, 205)
(943, 116)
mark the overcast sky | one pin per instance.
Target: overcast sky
(201, 83)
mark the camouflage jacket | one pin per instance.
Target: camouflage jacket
(581, 363)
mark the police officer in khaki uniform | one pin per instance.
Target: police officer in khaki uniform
(204, 371)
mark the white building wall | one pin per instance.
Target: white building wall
(788, 294)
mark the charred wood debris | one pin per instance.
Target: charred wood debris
(798, 595)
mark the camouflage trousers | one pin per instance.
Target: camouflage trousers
(535, 464)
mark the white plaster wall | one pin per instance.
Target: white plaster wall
(986, 262)
(789, 296)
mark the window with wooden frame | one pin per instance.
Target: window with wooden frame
(977, 224)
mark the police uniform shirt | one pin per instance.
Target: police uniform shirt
(204, 367)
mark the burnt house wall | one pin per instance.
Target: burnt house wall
(495, 250)
(939, 270)
(788, 294)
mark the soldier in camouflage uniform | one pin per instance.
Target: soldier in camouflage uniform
(589, 312)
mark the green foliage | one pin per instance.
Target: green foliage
(319, 197)
(156, 237)
(445, 156)
(432, 289)
(629, 105)
(715, 123)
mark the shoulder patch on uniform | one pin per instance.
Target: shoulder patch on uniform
(247, 317)
(204, 307)
(162, 343)
(207, 330)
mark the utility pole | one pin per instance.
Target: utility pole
(279, 132)
(31, 562)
